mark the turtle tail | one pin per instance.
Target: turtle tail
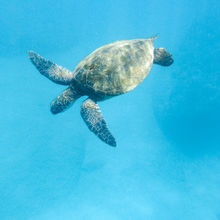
(51, 70)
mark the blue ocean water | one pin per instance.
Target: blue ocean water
(166, 164)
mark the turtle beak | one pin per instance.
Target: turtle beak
(169, 60)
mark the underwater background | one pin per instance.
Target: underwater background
(167, 161)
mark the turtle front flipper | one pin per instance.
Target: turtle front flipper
(51, 70)
(64, 101)
(95, 121)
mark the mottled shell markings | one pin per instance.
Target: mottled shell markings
(117, 67)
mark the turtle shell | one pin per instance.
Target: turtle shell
(115, 68)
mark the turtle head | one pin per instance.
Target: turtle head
(162, 57)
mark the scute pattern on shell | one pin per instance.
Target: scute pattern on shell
(116, 68)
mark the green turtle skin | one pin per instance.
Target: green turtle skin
(111, 70)
(115, 68)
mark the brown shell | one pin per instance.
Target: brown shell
(116, 68)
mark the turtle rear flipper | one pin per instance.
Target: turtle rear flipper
(64, 100)
(95, 121)
(52, 71)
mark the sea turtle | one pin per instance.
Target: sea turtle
(111, 70)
